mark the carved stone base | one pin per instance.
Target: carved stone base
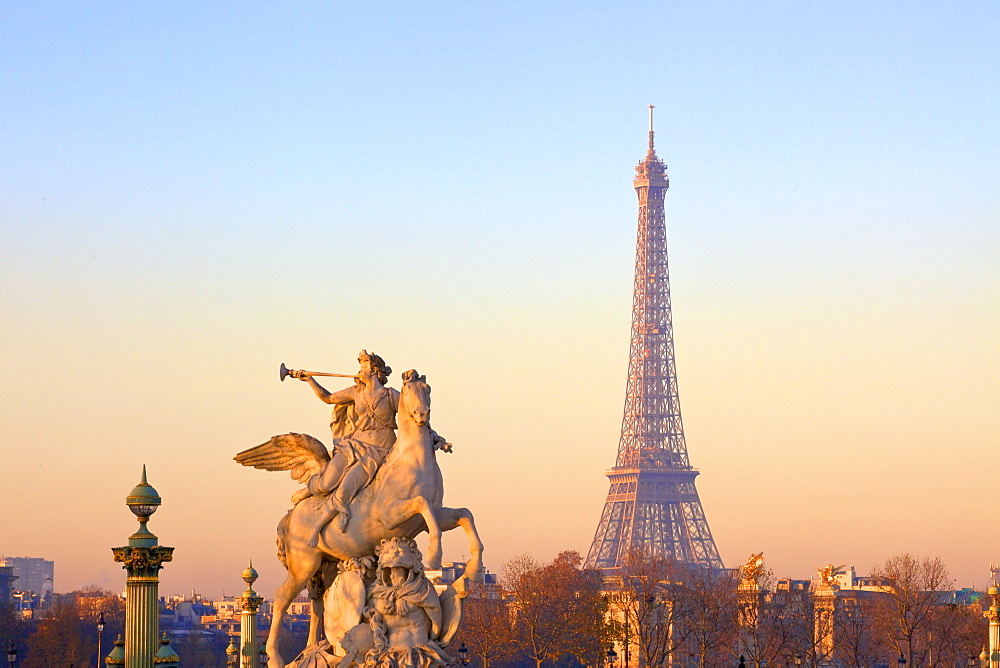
(316, 656)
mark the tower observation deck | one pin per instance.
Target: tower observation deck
(652, 504)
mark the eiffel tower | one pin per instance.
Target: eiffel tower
(653, 504)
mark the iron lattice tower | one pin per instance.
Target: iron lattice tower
(653, 504)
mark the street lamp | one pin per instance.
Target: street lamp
(798, 659)
(628, 643)
(901, 661)
(612, 657)
(100, 635)
(972, 661)
(463, 654)
(11, 655)
(231, 651)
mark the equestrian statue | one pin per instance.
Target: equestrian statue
(348, 536)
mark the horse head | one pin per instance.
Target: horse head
(415, 399)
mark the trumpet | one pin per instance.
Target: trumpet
(284, 372)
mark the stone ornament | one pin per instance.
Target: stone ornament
(378, 484)
(143, 561)
(828, 576)
(753, 571)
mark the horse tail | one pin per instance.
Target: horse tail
(283, 538)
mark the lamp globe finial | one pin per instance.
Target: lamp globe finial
(250, 574)
(143, 499)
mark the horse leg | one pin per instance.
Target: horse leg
(318, 586)
(301, 565)
(450, 518)
(400, 511)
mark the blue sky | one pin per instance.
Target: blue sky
(191, 193)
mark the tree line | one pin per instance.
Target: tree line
(66, 633)
(656, 612)
(651, 612)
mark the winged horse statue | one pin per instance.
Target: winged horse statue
(404, 499)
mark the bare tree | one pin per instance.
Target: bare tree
(808, 626)
(954, 633)
(765, 630)
(649, 603)
(558, 609)
(12, 628)
(93, 601)
(67, 632)
(857, 640)
(914, 589)
(487, 627)
(712, 618)
(59, 638)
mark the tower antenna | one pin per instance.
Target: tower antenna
(651, 107)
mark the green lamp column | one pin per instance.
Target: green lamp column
(249, 604)
(166, 657)
(142, 559)
(117, 655)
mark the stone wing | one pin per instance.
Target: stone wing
(300, 454)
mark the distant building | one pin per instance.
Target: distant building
(7, 578)
(843, 603)
(849, 579)
(451, 571)
(26, 603)
(229, 626)
(300, 607)
(227, 607)
(790, 585)
(33, 574)
(964, 596)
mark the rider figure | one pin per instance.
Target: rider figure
(363, 426)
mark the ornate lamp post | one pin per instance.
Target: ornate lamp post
(11, 655)
(142, 559)
(463, 654)
(231, 651)
(116, 657)
(249, 603)
(612, 657)
(798, 660)
(100, 636)
(993, 615)
(166, 657)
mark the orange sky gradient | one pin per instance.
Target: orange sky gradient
(191, 195)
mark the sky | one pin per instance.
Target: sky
(193, 193)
